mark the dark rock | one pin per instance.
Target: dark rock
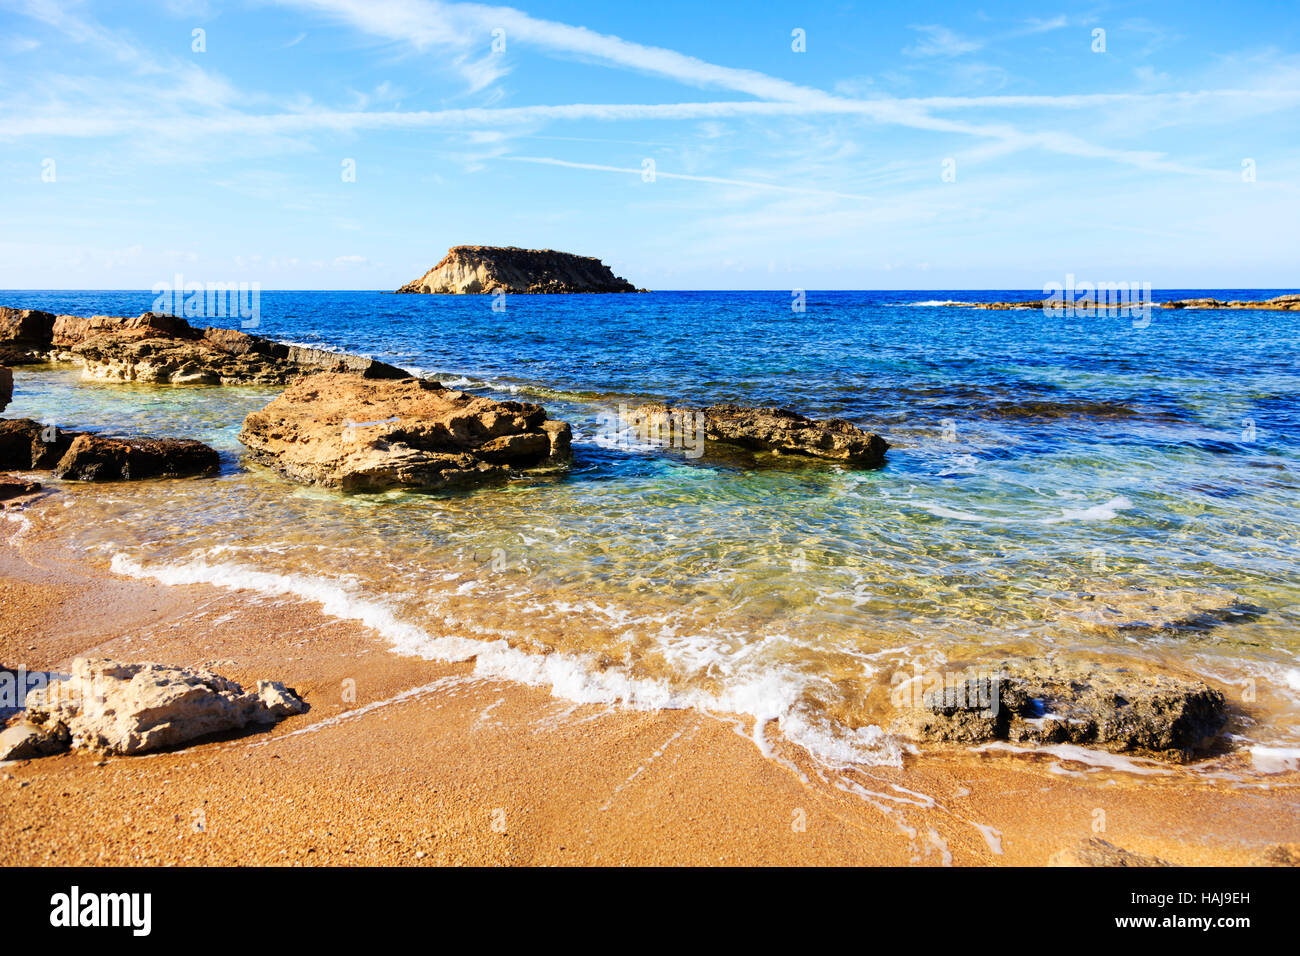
(27, 445)
(96, 458)
(11, 487)
(6, 387)
(24, 334)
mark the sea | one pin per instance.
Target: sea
(1103, 488)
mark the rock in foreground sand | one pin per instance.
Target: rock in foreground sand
(1035, 702)
(346, 432)
(117, 708)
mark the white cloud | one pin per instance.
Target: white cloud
(938, 40)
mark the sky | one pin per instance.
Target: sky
(347, 144)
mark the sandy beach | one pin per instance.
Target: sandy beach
(432, 765)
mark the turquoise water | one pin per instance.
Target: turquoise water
(1035, 460)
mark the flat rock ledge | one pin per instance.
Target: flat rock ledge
(775, 430)
(164, 349)
(346, 432)
(480, 270)
(1041, 703)
(115, 708)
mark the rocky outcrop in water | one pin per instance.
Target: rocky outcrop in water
(774, 430)
(23, 333)
(343, 431)
(28, 445)
(1282, 303)
(115, 708)
(473, 270)
(97, 458)
(164, 349)
(1056, 703)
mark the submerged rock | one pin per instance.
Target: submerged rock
(346, 432)
(776, 430)
(97, 458)
(1055, 703)
(473, 270)
(1154, 610)
(165, 349)
(11, 487)
(116, 708)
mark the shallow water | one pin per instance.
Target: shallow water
(1035, 460)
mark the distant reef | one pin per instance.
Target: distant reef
(1282, 303)
(480, 270)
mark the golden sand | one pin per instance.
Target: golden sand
(403, 761)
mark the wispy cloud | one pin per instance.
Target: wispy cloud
(936, 40)
(715, 180)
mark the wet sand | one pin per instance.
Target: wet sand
(408, 762)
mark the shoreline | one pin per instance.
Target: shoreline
(431, 764)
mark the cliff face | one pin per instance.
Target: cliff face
(476, 270)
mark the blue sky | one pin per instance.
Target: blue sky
(127, 156)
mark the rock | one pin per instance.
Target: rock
(165, 349)
(26, 741)
(26, 444)
(1154, 610)
(6, 386)
(116, 708)
(470, 270)
(344, 431)
(776, 430)
(1097, 852)
(24, 334)
(97, 458)
(11, 487)
(1280, 854)
(1054, 702)
(1281, 303)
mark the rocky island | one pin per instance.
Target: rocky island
(480, 270)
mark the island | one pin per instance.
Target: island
(483, 270)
